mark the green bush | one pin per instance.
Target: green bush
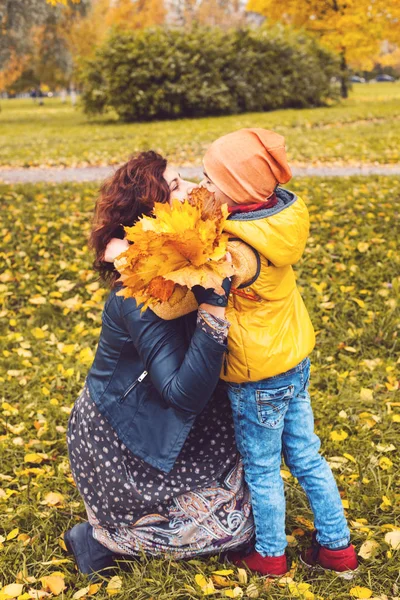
(163, 73)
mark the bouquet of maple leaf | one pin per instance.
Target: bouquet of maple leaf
(178, 246)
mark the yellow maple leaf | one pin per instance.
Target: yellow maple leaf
(53, 583)
(179, 246)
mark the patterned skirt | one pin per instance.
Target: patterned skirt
(201, 507)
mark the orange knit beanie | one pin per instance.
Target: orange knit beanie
(248, 164)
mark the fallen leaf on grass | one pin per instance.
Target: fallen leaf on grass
(385, 447)
(24, 538)
(222, 581)
(206, 585)
(252, 591)
(360, 592)
(242, 576)
(53, 499)
(38, 594)
(291, 540)
(56, 561)
(13, 534)
(338, 436)
(34, 458)
(300, 590)
(366, 394)
(80, 593)
(13, 590)
(237, 592)
(114, 585)
(53, 583)
(305, 522)
(385, 463)
(392, 538)
(369, 549)
(94, 588)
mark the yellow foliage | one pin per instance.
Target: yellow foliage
(11, 70)
(182, 246)
(354, 28)
(84, 35)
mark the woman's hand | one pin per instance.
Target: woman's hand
(114, 248)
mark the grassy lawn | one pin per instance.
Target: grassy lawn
(50, 307)
(364, 128)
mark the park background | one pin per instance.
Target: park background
(66, 121)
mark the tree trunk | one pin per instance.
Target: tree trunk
(344, 89)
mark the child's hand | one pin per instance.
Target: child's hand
(114, 248)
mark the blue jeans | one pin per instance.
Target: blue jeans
(274, 416)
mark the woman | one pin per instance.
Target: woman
(150, 438)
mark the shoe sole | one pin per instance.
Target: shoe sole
(346, 575)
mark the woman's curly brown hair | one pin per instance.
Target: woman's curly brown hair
(130, 193)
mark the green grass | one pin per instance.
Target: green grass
(50, 307)
(364, 128)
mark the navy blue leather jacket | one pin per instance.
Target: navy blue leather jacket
(150, 378)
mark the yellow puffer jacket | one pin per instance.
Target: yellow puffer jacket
(271, 331)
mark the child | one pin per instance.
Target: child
(270, 337)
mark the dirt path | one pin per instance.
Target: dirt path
(60, 175)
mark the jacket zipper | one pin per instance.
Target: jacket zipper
(134, 384)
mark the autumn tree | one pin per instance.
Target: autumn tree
(86, 34)
(127, 15)
(224, 13)
(31, 44)
(352, 28)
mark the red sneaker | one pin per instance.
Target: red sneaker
(343, 562)
(273, 566)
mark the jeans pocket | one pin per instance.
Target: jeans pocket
(272, 405)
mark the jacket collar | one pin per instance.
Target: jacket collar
(284, 199)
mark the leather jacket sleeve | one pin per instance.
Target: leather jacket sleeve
(185, 376)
